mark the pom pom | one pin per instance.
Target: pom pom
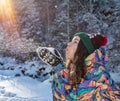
(104, 42)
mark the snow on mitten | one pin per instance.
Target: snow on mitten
(49, 55)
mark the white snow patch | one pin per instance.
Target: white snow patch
(27, 88)
(115, 77)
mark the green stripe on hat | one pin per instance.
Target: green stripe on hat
(86, 41)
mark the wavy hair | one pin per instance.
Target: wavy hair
(77, 69)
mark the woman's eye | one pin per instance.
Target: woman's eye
(75, 42)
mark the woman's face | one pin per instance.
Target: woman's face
(72, 47)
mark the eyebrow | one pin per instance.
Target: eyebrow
(76, 39)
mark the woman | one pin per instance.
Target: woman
(84, 77)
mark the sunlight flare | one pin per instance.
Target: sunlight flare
(7, 11)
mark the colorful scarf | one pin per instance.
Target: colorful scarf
(96, 86)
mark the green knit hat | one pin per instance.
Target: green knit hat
(86, 41)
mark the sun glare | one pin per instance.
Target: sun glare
(7, 11)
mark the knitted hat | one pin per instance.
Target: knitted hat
(87, 41)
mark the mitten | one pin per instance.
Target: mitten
(49, 55)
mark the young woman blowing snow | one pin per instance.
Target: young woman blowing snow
(84, 77)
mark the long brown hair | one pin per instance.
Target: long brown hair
(77, 67)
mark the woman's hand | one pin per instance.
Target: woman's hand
(49, 55)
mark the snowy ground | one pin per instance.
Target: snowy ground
(22, 87)
(25, 88)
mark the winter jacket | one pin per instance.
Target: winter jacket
(96, 86)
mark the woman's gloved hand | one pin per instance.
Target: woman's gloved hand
(49, 55)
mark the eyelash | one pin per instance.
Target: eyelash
(75, 42)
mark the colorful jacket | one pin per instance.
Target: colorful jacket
(96, 86)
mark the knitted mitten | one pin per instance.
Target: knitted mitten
(49, 55)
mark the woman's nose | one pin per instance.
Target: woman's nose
(68, 44)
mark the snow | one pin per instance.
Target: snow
(16, 86)
(115, 76)
(23, 88)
